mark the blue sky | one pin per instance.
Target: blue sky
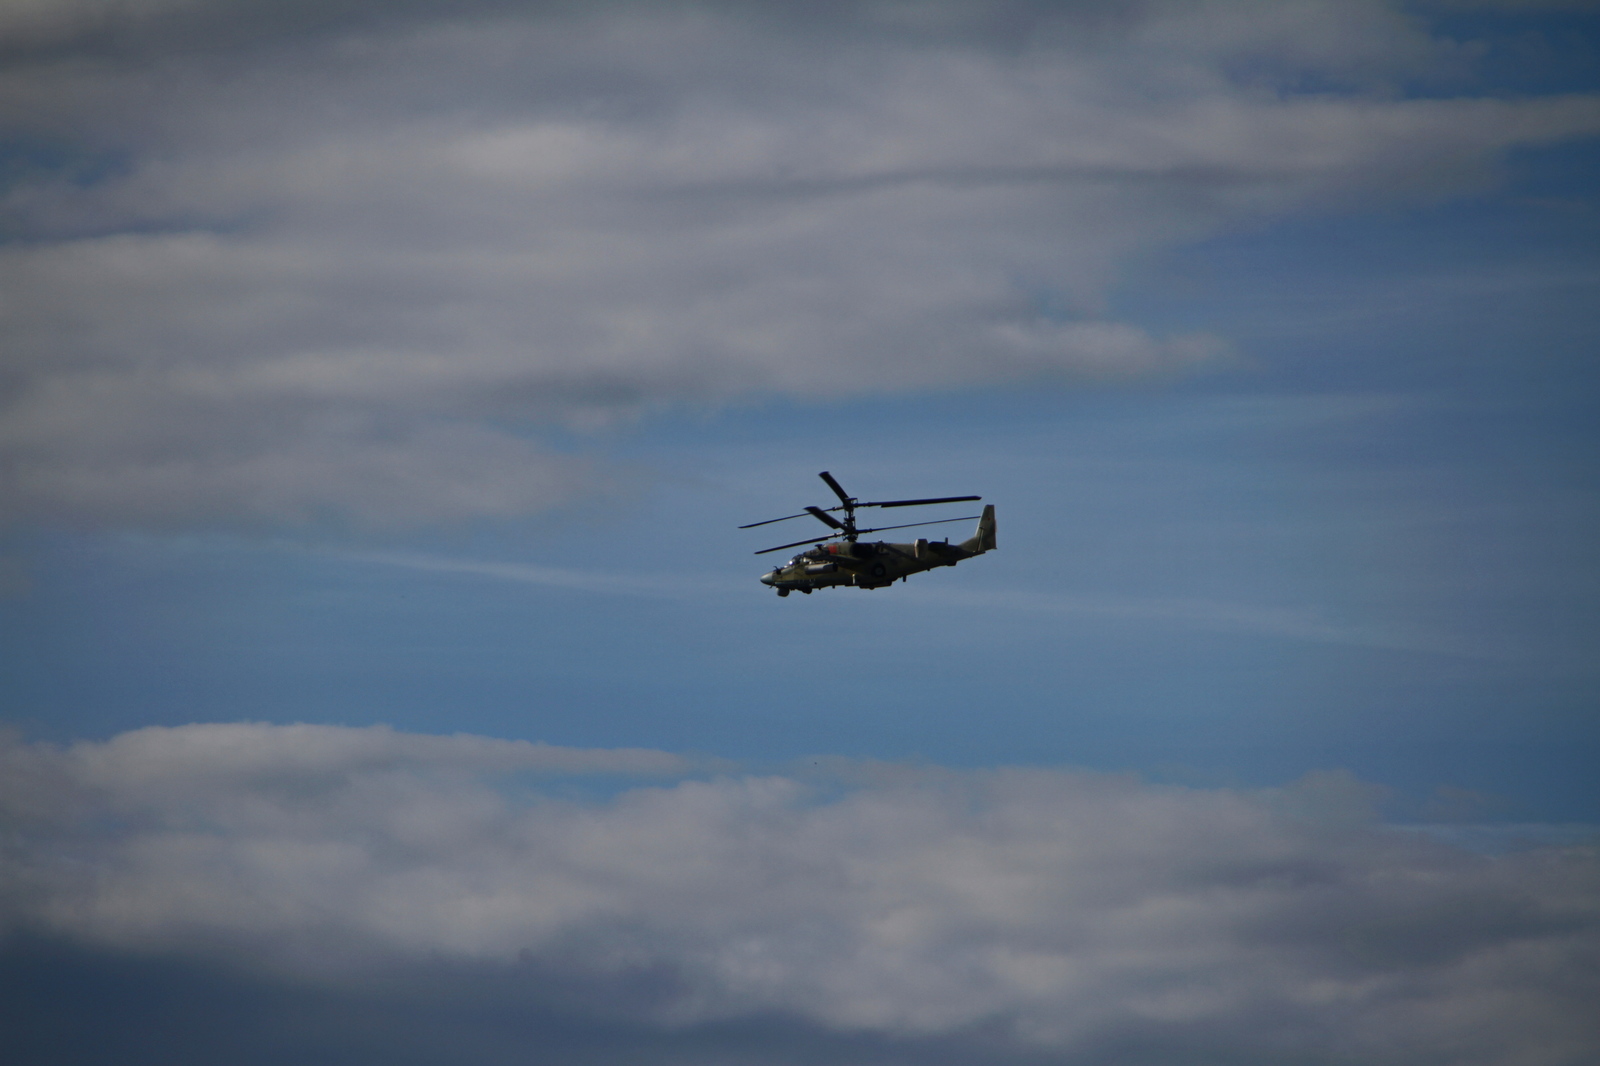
(1365, 544)
(415, 369)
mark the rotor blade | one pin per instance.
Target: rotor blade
(878, 529)
(823, 516)
(834, 485)
(796, 544)
(913, 503)
(769, 521)
(908, 525)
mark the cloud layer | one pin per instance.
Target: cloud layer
(271, 262)
(1047, 912)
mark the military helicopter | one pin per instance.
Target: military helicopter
(873, 565)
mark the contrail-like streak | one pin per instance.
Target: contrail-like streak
(1212, 615)
(683, 587)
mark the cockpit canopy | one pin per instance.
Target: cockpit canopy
(834, 550)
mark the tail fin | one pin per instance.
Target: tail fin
(982, 540)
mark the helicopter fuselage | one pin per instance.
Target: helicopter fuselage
(872, 564)
(863, 564)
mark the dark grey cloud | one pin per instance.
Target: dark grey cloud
(271, 262)
(881, 912)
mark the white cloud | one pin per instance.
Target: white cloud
(1054, 910)
(353, 267)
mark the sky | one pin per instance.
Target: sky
(384, 675)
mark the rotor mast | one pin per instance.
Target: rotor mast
(849, 508)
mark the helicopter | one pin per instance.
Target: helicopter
(876, 564)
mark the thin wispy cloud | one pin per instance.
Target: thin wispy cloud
(1203, 614)
(1222, 616)
(687, 586)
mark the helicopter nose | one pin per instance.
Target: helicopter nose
(769, 578)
